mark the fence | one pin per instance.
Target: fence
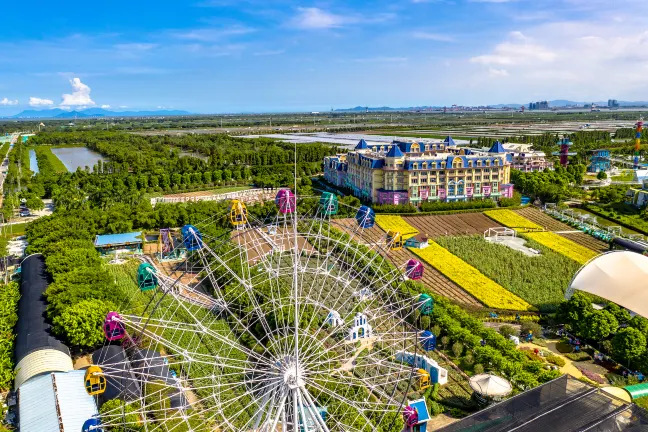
(249, 195)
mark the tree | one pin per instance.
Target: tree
(601, 175)
(600, 324)
(81, 323)
(628, 344)
(529, 326)
(457, 349)
(128, 414)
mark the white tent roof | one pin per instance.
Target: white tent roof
(490, 385)
(621, 277)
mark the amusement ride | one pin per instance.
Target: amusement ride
(290, 322)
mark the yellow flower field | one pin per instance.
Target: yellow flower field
(396, 223)
(469, 278)
(563, 246)
(511, 219)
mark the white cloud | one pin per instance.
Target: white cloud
(38, 102)
(590, 59)
(439, 37)
(313, 18)
(498, 72)
(316, 18)
(213, 34)
(105, 106)
(6, 101)
(269, 52)
(80, 95)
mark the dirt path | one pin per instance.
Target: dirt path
(569, 367)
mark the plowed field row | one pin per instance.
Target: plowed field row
(588, 241)
(551, 224)
(451, 225)
(434, 280)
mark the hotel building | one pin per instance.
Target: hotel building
(413, 172)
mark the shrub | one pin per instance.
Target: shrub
(457, 205)
(529, 326)
(478, 369)
(507, 330)
(392, 208)
(554, 359)
(579, 356)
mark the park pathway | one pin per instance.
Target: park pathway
(569, 367)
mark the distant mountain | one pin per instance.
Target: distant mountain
(94, 112)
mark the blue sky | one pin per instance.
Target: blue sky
(212, 56)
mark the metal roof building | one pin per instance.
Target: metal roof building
(123, 239)
(55, 402)
(37, 351)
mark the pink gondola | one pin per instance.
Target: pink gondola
(286, 201)
(414, 269)
(410, 416)
(113, 327)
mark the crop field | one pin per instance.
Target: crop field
(396, 223)
(432, 278)
(551, 224)
(471, 279)
(562, 245)
(512, 220)
(450, 225)
(540, 280)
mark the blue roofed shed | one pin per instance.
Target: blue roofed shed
(423, 414)
(108, 243)
(55, 402)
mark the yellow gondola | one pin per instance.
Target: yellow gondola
(394, 240)
(237, 213)
(424, 379)
(95, 382)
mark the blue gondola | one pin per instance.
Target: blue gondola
(92, 425)
(428, 340)
(366, 217)
(192, 238)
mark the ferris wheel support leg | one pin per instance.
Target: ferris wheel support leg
(281, 412)
(311, 405)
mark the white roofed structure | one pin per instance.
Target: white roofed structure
(490, 385)
(620, 276)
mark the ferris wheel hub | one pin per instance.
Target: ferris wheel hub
(292, 372)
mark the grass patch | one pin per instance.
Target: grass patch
(54, 161)
(622, 213)
(226, 189)
(540, 280)
(15, 230)
(471, 279)
(624, 177)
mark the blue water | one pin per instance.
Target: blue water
(33, 164)
(75, 157)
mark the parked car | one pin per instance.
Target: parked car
(25, 213)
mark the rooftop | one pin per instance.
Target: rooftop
(118, 239)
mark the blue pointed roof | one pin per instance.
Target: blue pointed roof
(449, 141)
(497, 148)
(394, 151)
(362, 144)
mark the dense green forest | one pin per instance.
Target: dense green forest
(140, 165)
(550, 185)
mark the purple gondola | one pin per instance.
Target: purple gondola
(113, 327)
(414, 269)
(410, 416)
(286, 201)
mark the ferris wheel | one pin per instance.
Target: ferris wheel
(282, 322)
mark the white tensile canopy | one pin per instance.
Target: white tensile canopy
(621, 277)
(490, 385)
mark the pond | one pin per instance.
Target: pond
(194, 154)
(33, 164)
(75, 157)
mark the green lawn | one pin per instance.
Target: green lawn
(57, 165)
(628, 176)
(540, 280)
(623, 213)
